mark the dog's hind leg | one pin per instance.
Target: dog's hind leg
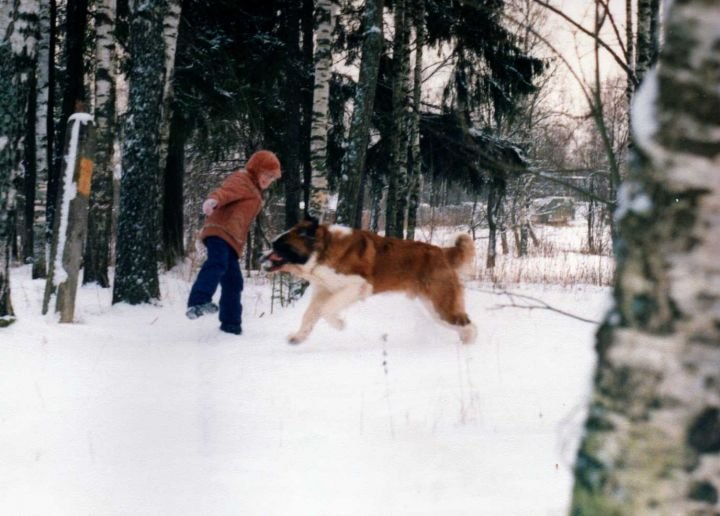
(447, 302)
(313, 312)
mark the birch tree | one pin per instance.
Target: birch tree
(43, 144)
(353, 167)
(18, 48)
(97, 249)
(171, 25)
(653, 433)
(648, 42)
(136, 276)
(170, 177)
(325, 20)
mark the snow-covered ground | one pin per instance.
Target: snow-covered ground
(137, 410)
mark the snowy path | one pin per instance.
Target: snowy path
(136, 410)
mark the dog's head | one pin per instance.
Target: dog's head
(292, 247)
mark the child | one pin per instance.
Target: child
(230, 211)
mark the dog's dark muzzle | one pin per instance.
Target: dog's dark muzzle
(281, 254)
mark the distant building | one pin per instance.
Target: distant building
(553, 210)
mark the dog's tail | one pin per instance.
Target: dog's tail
(461, 255)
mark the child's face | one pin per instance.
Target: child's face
(265, 180)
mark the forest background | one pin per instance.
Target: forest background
(395, 115)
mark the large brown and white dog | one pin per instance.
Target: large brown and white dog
(346, 265)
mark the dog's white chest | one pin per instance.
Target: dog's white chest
(333, 281)
(328, 278)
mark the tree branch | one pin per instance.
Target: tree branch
(625, 66)
(539, 304)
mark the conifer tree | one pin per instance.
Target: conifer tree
(136, 275)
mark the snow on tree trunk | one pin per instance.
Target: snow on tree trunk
(18, 48)
(74, 92)
(136, 275)
(350, 206)
(97, 249)
(653, 433)
(325, 19)
(42, 153)
(71, 218)
(415, 171)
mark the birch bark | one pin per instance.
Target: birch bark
(652, 438)
(97, 250)
(325, 19)
(42, 144)
(18, 48)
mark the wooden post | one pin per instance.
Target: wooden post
(72, 217)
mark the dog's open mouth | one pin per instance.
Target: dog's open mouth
(272, 261)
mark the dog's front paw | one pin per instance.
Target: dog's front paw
(335, 322)
(297, 337)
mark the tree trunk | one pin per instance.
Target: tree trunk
(167, 207)
(43, 139)
(136, 277)
(30, 172)
(325, 20)
(307, 28)
(354, 159)
(71, 219)
(629, 51)
(496, 193)
(10, 136)
(377, 186)
(17, 55)
(648, 41)
(171, 26)
(653, 433)
(415, 165)
(73, 91)
(398, 177)
(97, 248)
(522, 211)
(292, 94)
(172, 218)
